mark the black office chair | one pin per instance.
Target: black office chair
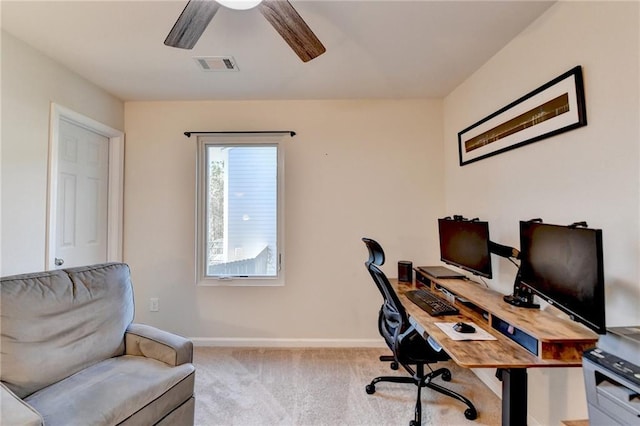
(408, 346)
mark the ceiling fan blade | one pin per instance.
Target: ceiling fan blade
(292, 28)
(191, 23)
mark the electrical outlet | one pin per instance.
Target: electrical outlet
(154, 304)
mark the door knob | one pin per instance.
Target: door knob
(58, 261)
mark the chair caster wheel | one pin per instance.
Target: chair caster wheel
(394, 365)
(371, 389)
(413, 423)
(446, 376)
(471, 414)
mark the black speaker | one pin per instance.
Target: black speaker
(405, 271)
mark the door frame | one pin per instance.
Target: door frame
(115, 204)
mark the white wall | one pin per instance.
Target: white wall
(591, 173)
(30, 83)
(355, 168)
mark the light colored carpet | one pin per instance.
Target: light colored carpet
(312, 386)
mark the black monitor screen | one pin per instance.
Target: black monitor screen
(564, 265)
(465, 244)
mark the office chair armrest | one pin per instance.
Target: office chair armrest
(435, 345)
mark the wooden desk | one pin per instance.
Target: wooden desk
(560, 342)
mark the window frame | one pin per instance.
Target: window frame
(237, 139)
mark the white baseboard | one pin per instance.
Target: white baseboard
(287, 343)
(487, 376)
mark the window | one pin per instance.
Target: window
(240, 214)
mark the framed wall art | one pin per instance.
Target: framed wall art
(553, 108)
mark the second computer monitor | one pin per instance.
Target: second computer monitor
(564, 265)
(465, 244)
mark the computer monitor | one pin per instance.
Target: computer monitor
(564, 266)
(465, 244)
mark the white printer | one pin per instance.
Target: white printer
(612, 378)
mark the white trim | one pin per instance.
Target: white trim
(116, 199)
(116, 181)
(286, 343)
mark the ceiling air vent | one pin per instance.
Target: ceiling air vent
(216, 63)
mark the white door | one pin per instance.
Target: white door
(82, 196)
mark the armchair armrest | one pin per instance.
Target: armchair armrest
(151, 342)
(15, 411)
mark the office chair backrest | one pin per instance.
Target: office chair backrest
(376, 254)
(393, 319)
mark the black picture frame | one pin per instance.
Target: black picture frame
(553, 108)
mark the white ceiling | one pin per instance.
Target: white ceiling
(375, 49)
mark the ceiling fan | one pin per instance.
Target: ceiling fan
(280, 13)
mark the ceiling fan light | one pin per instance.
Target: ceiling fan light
(240, 4)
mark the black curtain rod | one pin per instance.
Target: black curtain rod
(264, 132)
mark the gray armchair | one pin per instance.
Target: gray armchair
(72, 356)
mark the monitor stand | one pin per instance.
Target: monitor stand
(522, 297)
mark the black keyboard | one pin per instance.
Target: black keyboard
(430, 303)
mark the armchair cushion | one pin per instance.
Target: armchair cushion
(113, 390)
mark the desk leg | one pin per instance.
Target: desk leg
(514, 396)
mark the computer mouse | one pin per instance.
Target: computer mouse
(462, 327)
